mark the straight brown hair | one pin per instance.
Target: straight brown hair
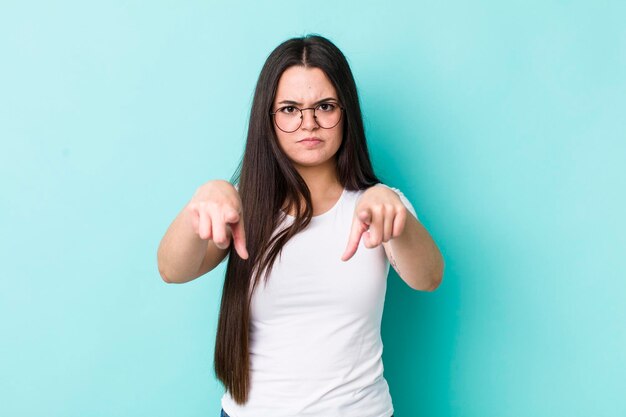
(267, 180)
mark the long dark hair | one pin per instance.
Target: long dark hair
(267, 180)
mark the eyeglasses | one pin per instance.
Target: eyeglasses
(289, 118)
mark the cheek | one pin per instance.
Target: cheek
(281, 139)
(339, 136)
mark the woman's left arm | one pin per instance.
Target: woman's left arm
(382, 218)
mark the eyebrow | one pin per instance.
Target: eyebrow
(317, 102)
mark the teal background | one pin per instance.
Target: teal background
(502, 122)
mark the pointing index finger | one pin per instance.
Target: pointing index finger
(235, 221)
(357, 230)
(239, 239)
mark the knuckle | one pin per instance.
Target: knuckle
(231, 215)
(211, 205)
(221, 242)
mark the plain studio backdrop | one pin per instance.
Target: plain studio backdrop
(503, 123)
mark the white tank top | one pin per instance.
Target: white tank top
(315, 345)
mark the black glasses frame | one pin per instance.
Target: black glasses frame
(302, 116)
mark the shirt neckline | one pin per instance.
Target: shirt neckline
(327, 212)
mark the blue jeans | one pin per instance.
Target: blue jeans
(223, 414)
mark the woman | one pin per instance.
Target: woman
(312, 224)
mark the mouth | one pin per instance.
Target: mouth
(310, 140)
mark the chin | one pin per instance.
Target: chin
(310, 162)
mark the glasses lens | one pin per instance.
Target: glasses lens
(327, 115)
(288, 119)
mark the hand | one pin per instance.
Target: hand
(216, 213)
(379, 216)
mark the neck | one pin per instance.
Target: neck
(321, 179)
(323, 184)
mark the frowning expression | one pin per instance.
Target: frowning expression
(310, 144)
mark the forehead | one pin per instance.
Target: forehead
(304, 85)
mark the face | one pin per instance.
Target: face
(304, 88)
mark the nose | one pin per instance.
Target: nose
(308, 119)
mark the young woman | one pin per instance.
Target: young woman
(313, 233)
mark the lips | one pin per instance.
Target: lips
(310, 140)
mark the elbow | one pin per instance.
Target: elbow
(432, 285)
(434, 280)
(171, 277)
(160, 266)
(164, 275)
(168, 275)
(437, 277)
(435, 283)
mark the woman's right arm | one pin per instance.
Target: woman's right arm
(199, 237)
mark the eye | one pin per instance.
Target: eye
(287, 109)
(326, 107)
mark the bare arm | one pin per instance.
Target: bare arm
(381, 217)
(183, 256)
(199, 237)
(415, 256)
